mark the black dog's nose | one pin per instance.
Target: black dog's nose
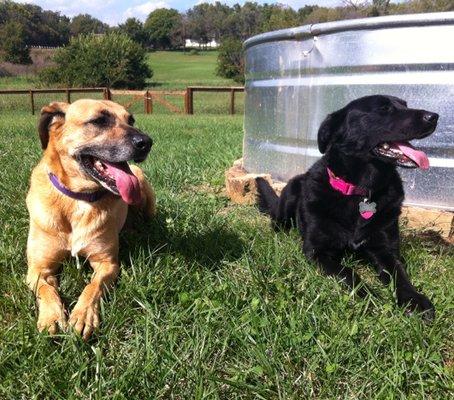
(141, 142)
(430, 117)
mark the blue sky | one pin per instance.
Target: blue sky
(115, 11)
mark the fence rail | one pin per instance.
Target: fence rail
(68, 91)
(190, 90)
(148, 96)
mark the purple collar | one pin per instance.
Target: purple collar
(91, 197)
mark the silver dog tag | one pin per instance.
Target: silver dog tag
(367, 208)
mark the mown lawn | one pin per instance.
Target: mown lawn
(211, 303)
(178, 69)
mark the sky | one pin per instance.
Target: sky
(116, 11)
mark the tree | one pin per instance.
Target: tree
(279, 17)
(304, 12)
(13, 43)
(41, 28)
(319, 14)
(83, 24)
(249, 19)
(135, 30)
(231, 60)
(112, 60)
(199, 26)
(162, 26)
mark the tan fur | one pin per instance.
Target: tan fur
(61, 226)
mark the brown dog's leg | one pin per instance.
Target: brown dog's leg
(85, 315)
(43, 264)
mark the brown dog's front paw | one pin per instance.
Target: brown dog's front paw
(51, 318)
(85, 319)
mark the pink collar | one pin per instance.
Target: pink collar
(346, 188)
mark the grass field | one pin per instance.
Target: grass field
(211, 303)
(176, 70)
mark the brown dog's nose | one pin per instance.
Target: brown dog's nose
(430, 117)
(141, 143)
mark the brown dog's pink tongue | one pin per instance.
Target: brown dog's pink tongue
(127, 183)
(418, 156)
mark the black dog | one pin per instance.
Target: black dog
(351, 198)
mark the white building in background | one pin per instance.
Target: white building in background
(197, 45)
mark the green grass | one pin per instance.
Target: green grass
(177, 69)
(17, 82)
(211, 303)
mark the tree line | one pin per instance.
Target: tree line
(24, 25)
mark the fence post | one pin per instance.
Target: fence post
(232, 101)
(32, 102)
(107, 94)
(189, 101)
(148, 103)
(68, 96)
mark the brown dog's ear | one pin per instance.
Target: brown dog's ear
(49, 114)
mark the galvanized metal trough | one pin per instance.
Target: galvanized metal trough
(295, 77)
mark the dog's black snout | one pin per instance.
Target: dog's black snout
(141, 142)
(430, 117)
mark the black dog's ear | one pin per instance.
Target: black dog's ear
(50, 114)
(328, 129)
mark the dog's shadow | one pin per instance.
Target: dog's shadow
(431, 240)
(209, 247)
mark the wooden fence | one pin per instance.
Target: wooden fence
(147, 96)
(190, 90)
(68, 91)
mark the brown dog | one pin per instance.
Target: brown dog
(78, 202)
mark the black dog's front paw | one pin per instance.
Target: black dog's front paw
(414, 301)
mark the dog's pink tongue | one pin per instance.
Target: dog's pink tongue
(127, 183)
(418, 156)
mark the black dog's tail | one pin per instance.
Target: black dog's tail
(282, 210)
(267, 199)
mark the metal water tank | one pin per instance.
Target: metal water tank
(295, 77)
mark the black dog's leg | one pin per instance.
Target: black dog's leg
(330, 263)
(386, 261)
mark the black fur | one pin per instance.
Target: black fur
(329, 221)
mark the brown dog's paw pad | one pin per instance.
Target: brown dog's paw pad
(85, 320)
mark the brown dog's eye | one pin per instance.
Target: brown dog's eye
(101, 120)
(131, 120)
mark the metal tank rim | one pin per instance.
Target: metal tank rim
(389, 21)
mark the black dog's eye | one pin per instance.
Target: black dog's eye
(99, 121)
(131, 120)
(387, 109)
